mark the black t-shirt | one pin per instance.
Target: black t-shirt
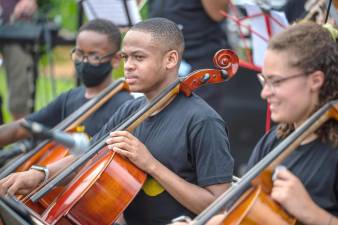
(294, 10)
(190, 139)
(202, 35)
(70, 101)
(315, 164)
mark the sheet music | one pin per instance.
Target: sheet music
(333, 11)
(258, 24)
(113, 10)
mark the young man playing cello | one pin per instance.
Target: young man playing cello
(183, 147)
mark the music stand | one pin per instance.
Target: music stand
(272, 25)
(122, 13)
(333, 10)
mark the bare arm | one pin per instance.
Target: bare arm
(24, 9)
(25, 182)
(213, 7)
(55, 167)
(193, 197)
(12, 132)
(292, 195)
(318, 216)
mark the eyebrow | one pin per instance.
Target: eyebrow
(89, 53)
(134, 52)
(269, 76)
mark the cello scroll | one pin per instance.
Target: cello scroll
(226, 62)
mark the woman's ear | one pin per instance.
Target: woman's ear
(116, 60)
(172, 59)
(317, 80)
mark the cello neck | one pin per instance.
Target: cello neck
(91, 106)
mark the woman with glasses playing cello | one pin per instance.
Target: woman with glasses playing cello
(300, 75)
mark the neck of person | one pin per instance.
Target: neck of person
(155, 91)
(302, 120)
(309, 138)
(152, 94)
(93, 91)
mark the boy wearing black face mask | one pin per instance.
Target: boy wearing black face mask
(94, 57)
(91, 73)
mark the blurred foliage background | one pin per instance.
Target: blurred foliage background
(64, 13)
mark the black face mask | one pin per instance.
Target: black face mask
(92, 75)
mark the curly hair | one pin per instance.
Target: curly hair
(313, 48)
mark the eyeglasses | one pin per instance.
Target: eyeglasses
(274, 83)
(78, 56)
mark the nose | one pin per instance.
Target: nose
(85, 59)
(128, 65)
(266, 91)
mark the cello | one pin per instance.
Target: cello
(111, 179)
(249, 201)
(35, 155)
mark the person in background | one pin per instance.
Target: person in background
(18, 60)
(95, 55)
(200, 22)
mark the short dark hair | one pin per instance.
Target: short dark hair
(105, 27)
(163, 31)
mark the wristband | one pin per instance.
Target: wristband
(42, 169)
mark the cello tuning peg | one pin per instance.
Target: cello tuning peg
(205, 78)
(224, 74)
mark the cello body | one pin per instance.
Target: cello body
(69, 124)
(35, 158)
(113, 189)
(49, 152)
(53, 154)
(257, 207)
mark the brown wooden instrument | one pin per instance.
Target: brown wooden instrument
(111, 180)
(50, 151)
(35, 156)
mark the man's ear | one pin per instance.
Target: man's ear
(116, 60)
(317, 80)
(172, 59)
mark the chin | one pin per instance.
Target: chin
(135, 89)
(277, 118)
(132, 87)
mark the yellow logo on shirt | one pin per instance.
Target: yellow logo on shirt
(152, 188)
